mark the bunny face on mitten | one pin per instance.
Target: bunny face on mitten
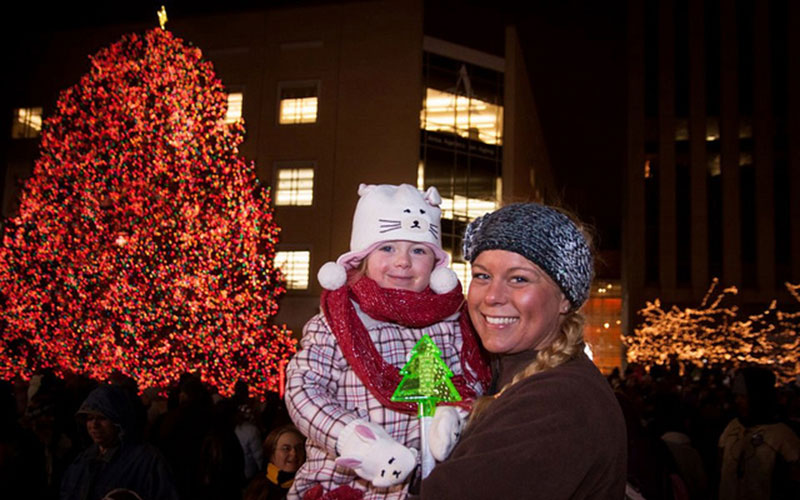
(374, 455)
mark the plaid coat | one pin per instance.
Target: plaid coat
(323, 395)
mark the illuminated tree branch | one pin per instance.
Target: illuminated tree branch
(714, 334)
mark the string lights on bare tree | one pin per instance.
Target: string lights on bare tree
(718, 334)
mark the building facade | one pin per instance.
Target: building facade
(713, 161)
(334, 95)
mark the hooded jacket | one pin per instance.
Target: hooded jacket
(132, 464)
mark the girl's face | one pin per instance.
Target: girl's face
(290, 453)
(406, 265)
(514, 305)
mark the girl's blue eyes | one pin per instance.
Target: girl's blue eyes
(418, 251)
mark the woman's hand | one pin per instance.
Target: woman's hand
(446, 427)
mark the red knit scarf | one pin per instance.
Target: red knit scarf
(408, 309)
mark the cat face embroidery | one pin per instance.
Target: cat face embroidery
(413, 220)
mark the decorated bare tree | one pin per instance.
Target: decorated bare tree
(718, 334)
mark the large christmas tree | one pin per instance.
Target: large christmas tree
(143, 242)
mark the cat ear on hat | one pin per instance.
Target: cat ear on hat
(432, 196)
(364, 189)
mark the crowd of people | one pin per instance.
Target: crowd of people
(710, 432)
(675, 419)
(72, 438)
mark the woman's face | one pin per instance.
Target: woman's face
(290, 453)
(513, 304)
(401, 264)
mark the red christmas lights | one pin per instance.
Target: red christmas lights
(143, 243)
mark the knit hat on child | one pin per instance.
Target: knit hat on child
(389, 213)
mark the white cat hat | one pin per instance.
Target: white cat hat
(385, 213)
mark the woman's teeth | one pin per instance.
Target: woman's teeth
(500, 320)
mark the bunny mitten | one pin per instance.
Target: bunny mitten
(374, 455)
(445, 429)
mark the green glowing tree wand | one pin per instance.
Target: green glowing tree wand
(426, 382)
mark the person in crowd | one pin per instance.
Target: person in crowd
(247, 431)
(22, 464)
(122, 494)
(672, 425)
(381, 297)
(552, 428)
(760, 455)
(117, 458)
(220, 473)
(180, 434)
(285, 447)
(48, 423)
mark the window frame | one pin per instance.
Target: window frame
(297, 84)
(233, 89)
(293, 165)
(286, 275)
(22, 129)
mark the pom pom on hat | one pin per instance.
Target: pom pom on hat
(332, 276)
(443, 280)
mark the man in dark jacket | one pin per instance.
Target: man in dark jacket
(117, 458)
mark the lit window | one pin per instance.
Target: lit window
(234, 113)
(421, 176)
(298, 103)
(27, 123)
(461, 207)
(466, 116)
(294, 265)
(603, 325)
(295, 187)
(462, 270)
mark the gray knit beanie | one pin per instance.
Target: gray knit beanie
(544, 236)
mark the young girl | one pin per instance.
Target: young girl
(380, 299)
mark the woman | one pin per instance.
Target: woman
(553, 428)
(285, 447)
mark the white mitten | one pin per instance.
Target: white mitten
(446, 426)
(374, 455)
